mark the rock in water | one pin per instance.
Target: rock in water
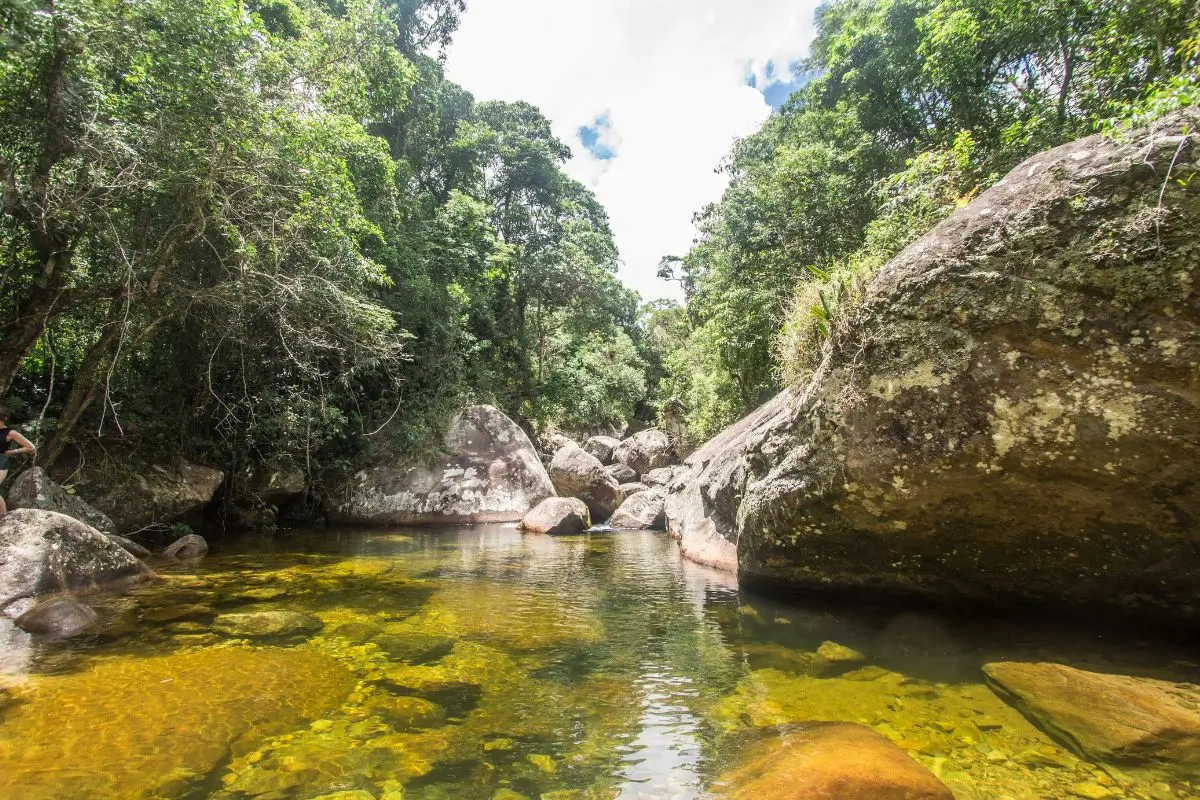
(621, 473)
(129, 546)
(1107, 717)
(34, 489)
(649, 450)
(142, 495)
(1009, 414)
(267, 624)
(558, 516)
(830, 761)
(643, 511)
(63, 616)
(188, 546)
(492, 474)
(578, 474)
(601, 447)
(43, 552)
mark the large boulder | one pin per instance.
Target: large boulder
(551, 442)
(601, 447)
(621, 473)
(490, 473)
(44, 552)
(62, 616)
(137, 496)
(651, 449)
(34, 489)
(557, 516)
(1111, 718)
(641, 512)
(829, 761)
(190, 545)
(575, 473)
(1010, 414)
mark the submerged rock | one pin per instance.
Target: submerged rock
(601, 447)
(191, 545)
(830, 761)
(142, 495)
(492, 473)
(577, 474)
(263, 624)
(1009, 414)
(1107, 717)
(833, 659)
(643, 511)
(649, 450)
(414, 648)
(558, 516)
(63, 616)
(170, 720)
(43, 552)
(34, 489)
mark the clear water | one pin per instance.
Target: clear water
(476, 663)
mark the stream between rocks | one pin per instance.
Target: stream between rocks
(480, 664)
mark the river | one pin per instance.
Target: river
(480, 664)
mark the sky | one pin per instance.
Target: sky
(649, 94)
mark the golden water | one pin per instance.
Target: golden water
(477, 664)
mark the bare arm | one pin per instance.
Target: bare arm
(23, 444)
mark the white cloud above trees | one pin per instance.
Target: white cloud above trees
(670, 78)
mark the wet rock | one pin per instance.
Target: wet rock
(129, 546)
(414, 648)
(558, 516)
(357, 631)
(643, 511)
(353, 794)
(830, 760)
(1009, 415)
(142, 495)
(601, 447)
(62, 616)
(659, 477)
(34, 489)
(630, 489)
(177, 613)
(1107, 717)
(492, 473)
(834, 659)
(621, 473)
(264, 624)
(577, 474)
(43, 552)
(191, 545)
(649, 450)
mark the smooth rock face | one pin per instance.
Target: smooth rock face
(492, 474)
(1010, 414)
(63, 616)
(830, 761)
(621, 473)
(129, 546)
(43, 552)
(659, 477)
(267, 624)
(188, 546)
(558, 516)
(34, 489)
(577, 474)
(1106, 717)
(151, 494)
(649, 450)
(601, 447)
(643, 511)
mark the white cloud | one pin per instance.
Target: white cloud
(670, 74)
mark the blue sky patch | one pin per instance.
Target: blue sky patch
(596, 137)
(778, 84)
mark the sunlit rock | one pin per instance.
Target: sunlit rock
(645, 451)
(578, 474)
(557, 516)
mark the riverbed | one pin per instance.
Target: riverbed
(480, 664)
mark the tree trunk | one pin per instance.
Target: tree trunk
(83, 390)
(20, 335)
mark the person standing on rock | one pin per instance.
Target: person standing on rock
(10, 436)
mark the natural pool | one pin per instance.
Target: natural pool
(477, 663)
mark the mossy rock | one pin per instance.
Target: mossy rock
(267, 624)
